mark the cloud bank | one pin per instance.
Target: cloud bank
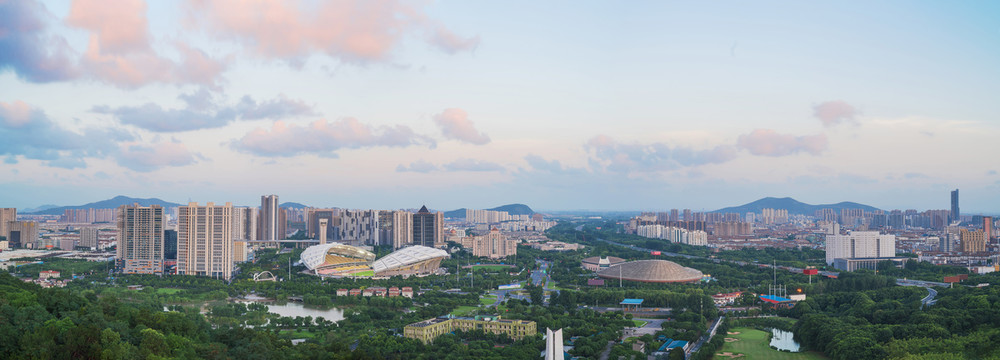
(767, 142)
(201, 113)
(324, 137)
(636, 157)
(353, 31)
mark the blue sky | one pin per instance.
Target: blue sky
(559, 105)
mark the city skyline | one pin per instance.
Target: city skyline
(653, 106)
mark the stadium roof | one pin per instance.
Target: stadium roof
(657, 271)
(314, 256)
(407, 256)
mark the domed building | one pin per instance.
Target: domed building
(652, 271)
(410, 260)
(597, 263)
(336, 259)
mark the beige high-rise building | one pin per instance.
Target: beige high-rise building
(88, 237)
(245, 223)
(973, 241)
(272, 219)
(205, 240)
(395, 228)
(7, 215)
(22, 234)
(493, 245)
(140, 239)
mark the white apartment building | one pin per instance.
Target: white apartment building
(860, 244)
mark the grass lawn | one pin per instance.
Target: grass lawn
(463, 310)
(639, 323)
(364, 273)
(297, 334)
(168, 291)
(488, 300)
(753, 344)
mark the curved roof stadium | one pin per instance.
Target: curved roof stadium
(334, 256)
(653, 271)
(596, 263)
(410, 260)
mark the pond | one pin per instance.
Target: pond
(288, 309)
(783, 340)
(293, 309)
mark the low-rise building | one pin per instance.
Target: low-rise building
(427, 330)
(342, 292)
(407, 292)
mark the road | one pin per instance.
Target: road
(707, 337)
(929, 299)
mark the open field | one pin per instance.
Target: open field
(488, 300)
(296, 334)
(168, 291)
(463, 310)
(753, 344)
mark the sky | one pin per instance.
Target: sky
(560, 105)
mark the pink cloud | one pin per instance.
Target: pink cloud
(119, 50)
(15, 114)
(767, 142)
(455, 124)
(120, 26)
(324, 138)
(834, 112)
(144, 158)
(354, 30)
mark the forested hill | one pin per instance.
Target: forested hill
(793, 206)
(513, 209)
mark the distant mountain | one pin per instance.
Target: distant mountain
(293, 205)
(108, 204)
(513, 209)
(37, 209)
(793, 206)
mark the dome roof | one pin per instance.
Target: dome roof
(315, 256)
(408, 256)
(657, 271)
(608, 260)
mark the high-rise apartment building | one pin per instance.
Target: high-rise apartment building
(687, 215)
(988, 228)
(88, 237)
(395, 228)
(22, 234)
(359, 227)
(332, 216)
(675, 215)
(428, 228)
(973, 241)
(205, 240)
(140, 239)
(7, 215)
(245, 223)
(271, 224)
(860, 244)
(493, 245)
(956, 214)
